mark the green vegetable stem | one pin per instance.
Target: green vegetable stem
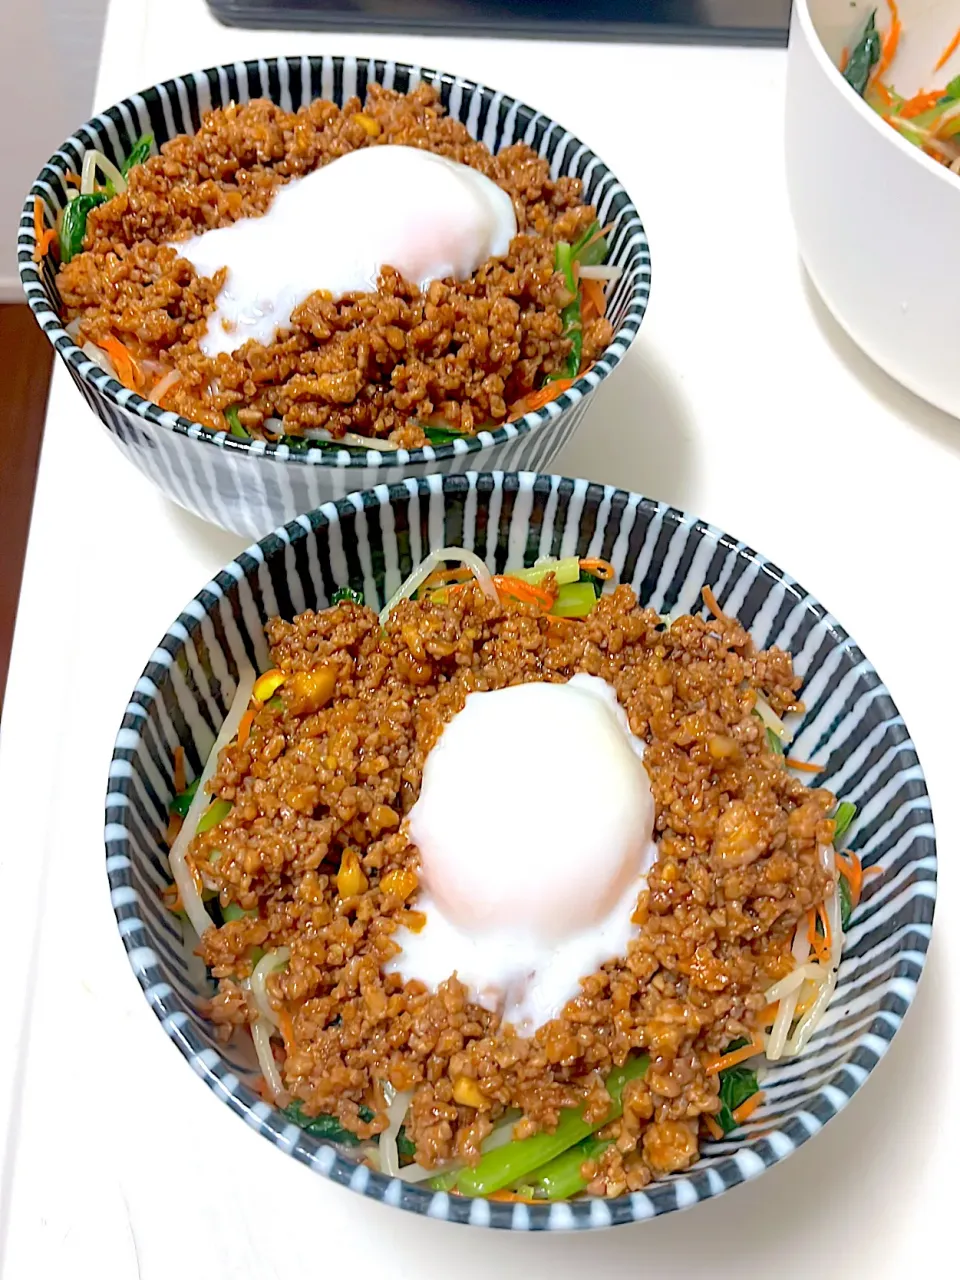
(214, 816)
(561, 1179)
(517, 1160)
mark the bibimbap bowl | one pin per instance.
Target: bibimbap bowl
(873, 950)
(248, 483)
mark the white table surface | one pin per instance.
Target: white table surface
(741, 401)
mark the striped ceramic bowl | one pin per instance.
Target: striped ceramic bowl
(251, 486)
(371, 540)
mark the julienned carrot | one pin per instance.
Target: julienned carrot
(601, 569)
(179, 770)
(805, 766)
(523, 591)
(853, 871)
(844, 59)
(714, 1065)
(872, 871)
(44, 236)
(890, 42)
(710, 600)
(716, 1133)
(768, 1013)
(746, 1109)
(128, 371)
(243, 729)
(446, 575)
(920, 103)
(948, 52)
(173, 829)
(882, 92)
(285, 1023)
(820, 943)
(594, 300)
(537, 399)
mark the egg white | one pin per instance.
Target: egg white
(535, 831)
(335, 229)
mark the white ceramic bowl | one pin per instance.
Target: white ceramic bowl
(876, 219)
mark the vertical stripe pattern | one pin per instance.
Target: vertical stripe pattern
(371, 541)
(250, 487)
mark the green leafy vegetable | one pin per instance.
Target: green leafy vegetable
(864, 56)
(591, 249)
(300, 444)
(440, 435)
(952, 91)
(406, 1147)
(843, 815)
(232, 415)
(213, 816)
(346, 595)
(73, 227)
(774, 743)
(846, 902)
(518, 1159)
(140, 152)
(181, 803)
(595, 582)
(737, 1084)
(327, 1128)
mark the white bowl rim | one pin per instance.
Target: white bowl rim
(804, 19)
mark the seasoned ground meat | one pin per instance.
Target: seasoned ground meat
(315, 846)
(463, 353)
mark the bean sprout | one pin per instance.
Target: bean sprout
(192, 902)
(426, 567)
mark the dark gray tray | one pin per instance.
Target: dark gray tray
(703, 21)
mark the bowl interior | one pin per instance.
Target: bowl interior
(176, 107)
(371, 541)
(928, 26)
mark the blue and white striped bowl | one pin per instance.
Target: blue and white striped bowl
(251, 486)
(371, 540)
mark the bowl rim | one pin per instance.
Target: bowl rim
(636, 253)
(734, 1162)
(804, 20)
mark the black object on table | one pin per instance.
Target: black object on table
(713, 21)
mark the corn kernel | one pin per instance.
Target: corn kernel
(350, 877)
(370, 126)
(400, 883)
(467, 1093)
(268, 684)
(308, 691)
(722, 747)
(414, 921)
(381, 816)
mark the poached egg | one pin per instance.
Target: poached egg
(529, 882)
(335, 229)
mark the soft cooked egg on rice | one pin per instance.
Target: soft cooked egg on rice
(534, 826)
(335, 229)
